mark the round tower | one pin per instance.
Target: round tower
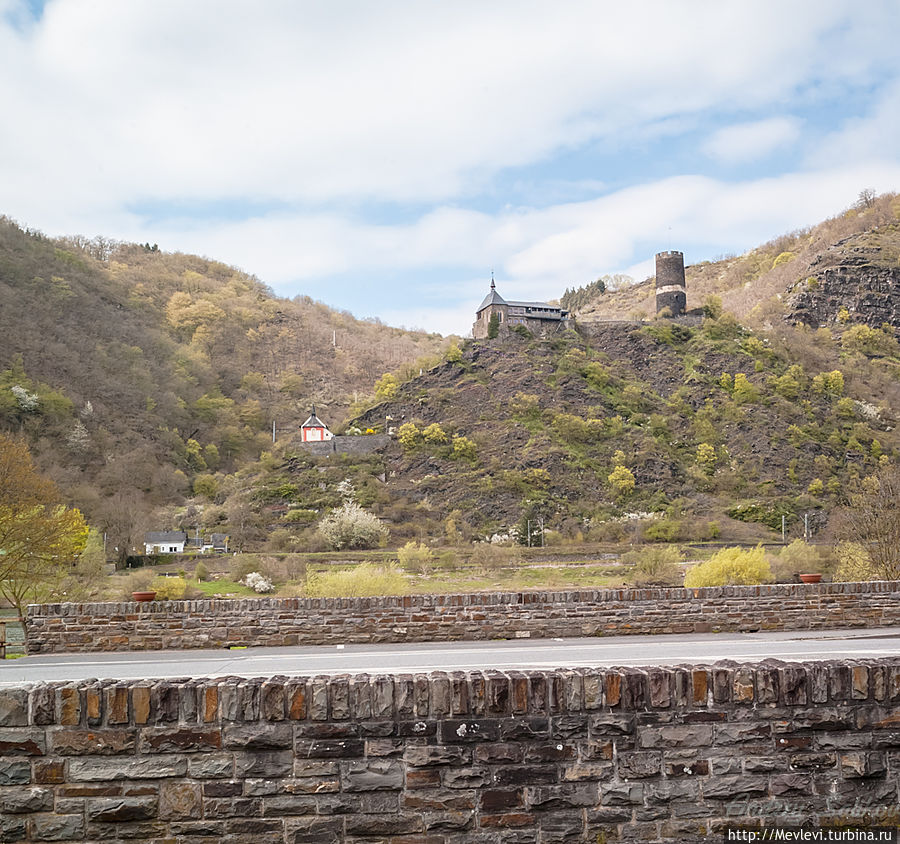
(670, 291)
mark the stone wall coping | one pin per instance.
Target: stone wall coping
(443, 695)
(486, 599)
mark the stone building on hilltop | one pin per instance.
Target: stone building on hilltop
(537, 317)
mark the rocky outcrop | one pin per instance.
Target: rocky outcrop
(855, 276)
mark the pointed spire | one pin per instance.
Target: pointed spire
(493, 286)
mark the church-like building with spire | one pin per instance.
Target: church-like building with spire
(537, 317)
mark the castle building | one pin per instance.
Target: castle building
(670, 288)
(314, 430)
(537, 317)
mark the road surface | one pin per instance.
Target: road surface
(520, 654)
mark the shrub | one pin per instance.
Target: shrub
(409, 436)
(621, 481)
(488, 556)
(706, 458)
(712, 307)
(663, 530)
(744, 391)
(493, 326)
(280, 539)
(797, 557)
(258, 583)
(655, 565)
(387, 387)
(829, 383)
(350, 526)
(364, 579)
(854, 563)
(731, 566)
(201, 572)
(596, 375)
(169, 588)
(464, 449)
(206, 486)
(416, 556)
(525, 406)
(434, 435)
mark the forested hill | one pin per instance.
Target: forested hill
(131, 370)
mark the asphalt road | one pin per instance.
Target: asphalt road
(455, 656)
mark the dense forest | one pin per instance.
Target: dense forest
(131, 372)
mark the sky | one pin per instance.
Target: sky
(385, 158)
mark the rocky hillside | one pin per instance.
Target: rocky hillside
(850, 263)
(681, 431)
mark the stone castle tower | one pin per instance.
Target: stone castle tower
(670, 291)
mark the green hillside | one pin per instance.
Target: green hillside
(132, 372)
(147, 384)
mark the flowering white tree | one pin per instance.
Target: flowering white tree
(349, 526)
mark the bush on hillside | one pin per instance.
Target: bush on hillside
(731, 566)
(350, 526)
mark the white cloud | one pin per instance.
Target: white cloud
(752, 141)
(871, 136)
(116, 103)
(380, 133)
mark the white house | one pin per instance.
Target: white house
(314, 430)
(165, 542)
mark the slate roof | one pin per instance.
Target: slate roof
(314, 421)
(161, 537)
(493, 298)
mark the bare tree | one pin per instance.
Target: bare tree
(872, 518)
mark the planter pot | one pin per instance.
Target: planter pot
(142, 597)
(811, 578)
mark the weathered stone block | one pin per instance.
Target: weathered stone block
(155, 767)
(121, 809)
(314, 831)
(859, 765)
(372, 775)
(92, 742)
(639, 765)
(180, 739)
(16, 742)
(258, 736)
(20, 800)
(55, 827)
(563, 796)
(422, 755)
(452, 731)
(212, 766)
(13, 707)
(619, 794)
(180, 801)
(15, 771)
(693, 735)
(260, 763)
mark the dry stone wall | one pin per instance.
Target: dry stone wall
(655, 754)
(60, 628)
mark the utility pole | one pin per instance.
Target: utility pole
(806, 527)
(783, 538)
(273, 431)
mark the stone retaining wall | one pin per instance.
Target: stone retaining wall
(655, 754)
(59, 628)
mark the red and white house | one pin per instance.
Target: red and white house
(314, 430)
